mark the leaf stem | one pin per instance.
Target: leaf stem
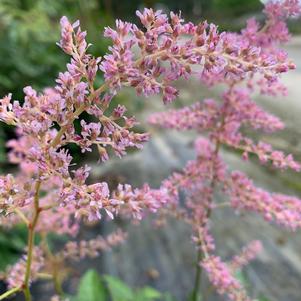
(195, 296)
(22, 216)
(9, 292)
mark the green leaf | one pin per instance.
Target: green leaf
(119, 291)
(147, 293)
(91, 288)
(12, 244)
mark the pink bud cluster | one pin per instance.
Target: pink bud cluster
(222, 122)
(223, 280)
(169, 48)
(201, 116)
(15, 274)
(222, 275)
(281, 10)
(78, 250)
(247, 254)
(283, 209)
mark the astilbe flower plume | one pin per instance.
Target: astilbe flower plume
(15, 274)
(222, 122)
(50, 195)
(221, 274)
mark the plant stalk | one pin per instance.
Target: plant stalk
(30, 243)
(9, 292)
(198, 276)
(195, 296)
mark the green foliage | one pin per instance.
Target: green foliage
(236, 7)
(12, 243)
(119, 291)
(147, 293)
(29, 30)
(93, 287)
(28, 36)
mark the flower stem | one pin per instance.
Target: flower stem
(30, 243)
(57, 285)
(8, 293)
(198, 276)
(76, 113)
(54, 263)
(195, 296)
(22, 216)
(61, 132)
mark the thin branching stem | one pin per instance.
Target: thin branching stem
(9, 293)
(30, 243)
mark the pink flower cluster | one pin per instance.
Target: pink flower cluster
(169, 48)
(283, 209)
(39, 148)
(222, 122)
(223, 280)
(222, 275)
(78, 250)
(247, 254)
(72, 250)
(15, 274)
(50, 195)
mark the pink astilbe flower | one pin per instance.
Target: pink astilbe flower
(223, 122)
(239, 108)
(201, 116)
(136, 200)
(92, 248)
(14, 192)
(221, 277)
(40, 146)
(50, 195)
(247, 254)
(15, 274)
(220, 55)
(282, 9)
(222, 274)
(283, 209)
(263, 151)
(59, 220)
